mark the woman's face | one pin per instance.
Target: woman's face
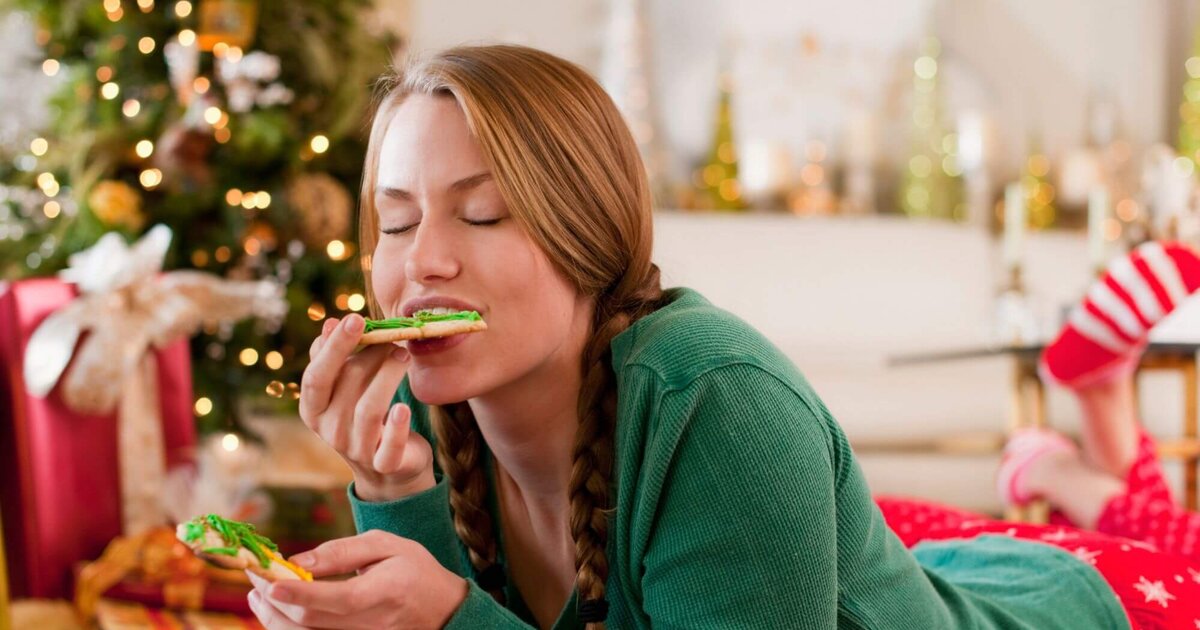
(447, 239)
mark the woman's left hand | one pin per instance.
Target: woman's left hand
(399, 585)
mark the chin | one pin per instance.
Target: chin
(434, 387)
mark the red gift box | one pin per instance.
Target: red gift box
(59, 480)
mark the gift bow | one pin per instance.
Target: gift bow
(128, 305)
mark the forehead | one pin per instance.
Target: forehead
(427, 139)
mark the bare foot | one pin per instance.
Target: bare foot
(1070, 485)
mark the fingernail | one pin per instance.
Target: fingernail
(253, 598)
(400, 354)
(305, 560)
(353, 323)
(328, 326)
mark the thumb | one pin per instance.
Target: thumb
(347, 555)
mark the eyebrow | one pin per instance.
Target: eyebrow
(459, 186)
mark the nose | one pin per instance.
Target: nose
(432, 254)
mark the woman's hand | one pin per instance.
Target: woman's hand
(344, 398)
(400, 585)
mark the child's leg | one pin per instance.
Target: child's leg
(1147, 511)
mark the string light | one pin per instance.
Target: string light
(222, 254)
(319, 144)
(234, 54)
(233, 197)
(112, 5)
(212, 115)
(248, 356)
(131, 107)
(294, 391)
(110, 91)
(146, 45)
(104, 74)
(116, 16)
(316, 311)
(249, 199)
(150, 178)
(45, 179)
(230, 442)
(146, 5)
(199, 258)
(39, 146)
(219, 49)
(262, 200)
(201, 85)
(183, 8)
(1112, 229)
(50, 67)
(1127, 209)
(203, 406)
(336, 250)
(144, 149)
(187, 37)
(252, 246)
(274, 360)
(222, 135)
(275, 389)
(342, 301)
(356, 302)
(51, 209)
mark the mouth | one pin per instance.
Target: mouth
(438, 305)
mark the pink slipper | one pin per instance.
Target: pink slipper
(1023, 448)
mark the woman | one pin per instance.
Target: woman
(607, 452)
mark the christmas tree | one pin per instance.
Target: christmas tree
(718, 178)
(932, 180)
(237, 123)
(1189, 110)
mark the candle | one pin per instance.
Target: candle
(1097, 216)
(1014, 224)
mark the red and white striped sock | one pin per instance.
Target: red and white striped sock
(1106, 333)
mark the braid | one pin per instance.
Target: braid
(459, 450)
(592, 457)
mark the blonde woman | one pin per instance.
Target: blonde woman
(607, 452)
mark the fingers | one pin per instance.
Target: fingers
(316, 386)
(345, 555)
(268, 615)
(317, 343)
(389, 457)
(371, 409)
(281, 601)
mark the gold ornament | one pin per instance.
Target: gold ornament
(228, 22)
(324, 207)
(117, 204)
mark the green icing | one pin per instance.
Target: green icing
(193, 531)
(235, 534)
(419, 319)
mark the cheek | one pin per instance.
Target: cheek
(387, 273)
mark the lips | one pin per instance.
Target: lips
(437, 301)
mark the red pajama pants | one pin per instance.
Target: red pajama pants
(1145, 545)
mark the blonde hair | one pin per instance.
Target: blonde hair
(569, 170)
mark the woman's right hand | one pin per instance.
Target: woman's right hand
(345, 398)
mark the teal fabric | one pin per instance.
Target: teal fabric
(739, 504)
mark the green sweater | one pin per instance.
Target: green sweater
(739, 504)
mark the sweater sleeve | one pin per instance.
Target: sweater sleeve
(745, 528)
(424, 517)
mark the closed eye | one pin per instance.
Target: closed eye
(484, 222)
(399, 230)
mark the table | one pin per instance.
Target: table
(1028, 402)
